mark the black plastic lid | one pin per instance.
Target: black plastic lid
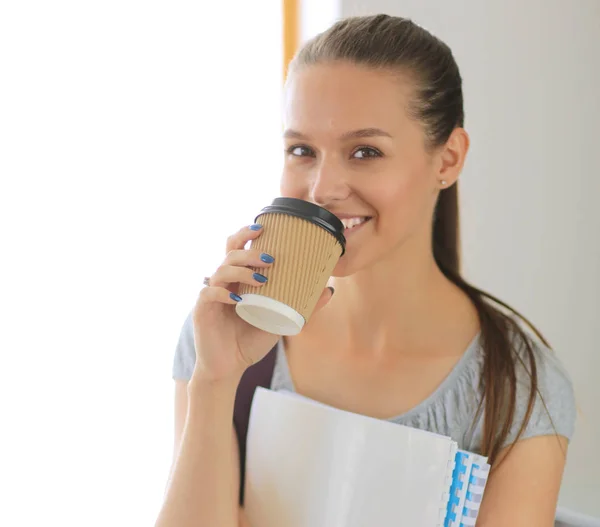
(311, 212)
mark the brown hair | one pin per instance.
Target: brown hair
(398, 44)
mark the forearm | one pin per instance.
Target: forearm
(201, 490)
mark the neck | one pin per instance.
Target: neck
(399, 302)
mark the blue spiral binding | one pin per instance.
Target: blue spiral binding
(456, 487)
(473, 499)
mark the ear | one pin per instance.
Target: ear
(451, 158)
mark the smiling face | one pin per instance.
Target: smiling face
(352, 149)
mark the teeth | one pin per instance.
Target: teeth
(353, 222)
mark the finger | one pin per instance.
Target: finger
(219, 295)
(248, 258)
(231, 274)
(324, 298)
(238, 240)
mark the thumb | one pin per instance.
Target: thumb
(324, 299)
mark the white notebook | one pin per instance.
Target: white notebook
(311, 465)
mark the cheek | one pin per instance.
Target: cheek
(403, 203)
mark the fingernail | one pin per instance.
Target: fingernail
(267, 258)
(332, 290)
(259, 278)
(233, 296)
(255, 227)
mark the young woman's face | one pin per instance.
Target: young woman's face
(351, 148)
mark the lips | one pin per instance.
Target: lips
(354, 224)
(350, 223)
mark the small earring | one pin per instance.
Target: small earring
(443, 182)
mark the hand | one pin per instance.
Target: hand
(226, 344)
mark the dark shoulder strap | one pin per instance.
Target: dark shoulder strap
(258, 374)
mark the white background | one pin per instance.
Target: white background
(530, 187)
(134, 138)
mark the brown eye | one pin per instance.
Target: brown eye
(300, 151)
(365, 152)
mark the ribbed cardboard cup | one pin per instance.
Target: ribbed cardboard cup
(306, 241)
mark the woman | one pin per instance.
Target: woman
(374, 133)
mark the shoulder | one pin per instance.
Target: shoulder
(184, 359)
(554, 408)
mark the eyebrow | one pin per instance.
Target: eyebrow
(354, 134)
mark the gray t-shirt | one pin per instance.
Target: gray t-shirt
(451, 409)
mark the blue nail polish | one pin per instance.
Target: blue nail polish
(233, 296)
(259, 278)
(255, 227)
(267, 258)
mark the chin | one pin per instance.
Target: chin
(364, 254)
(350, 264)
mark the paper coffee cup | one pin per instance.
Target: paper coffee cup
(306, 241)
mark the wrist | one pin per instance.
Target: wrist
(206, 382)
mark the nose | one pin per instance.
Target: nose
(328, 183)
